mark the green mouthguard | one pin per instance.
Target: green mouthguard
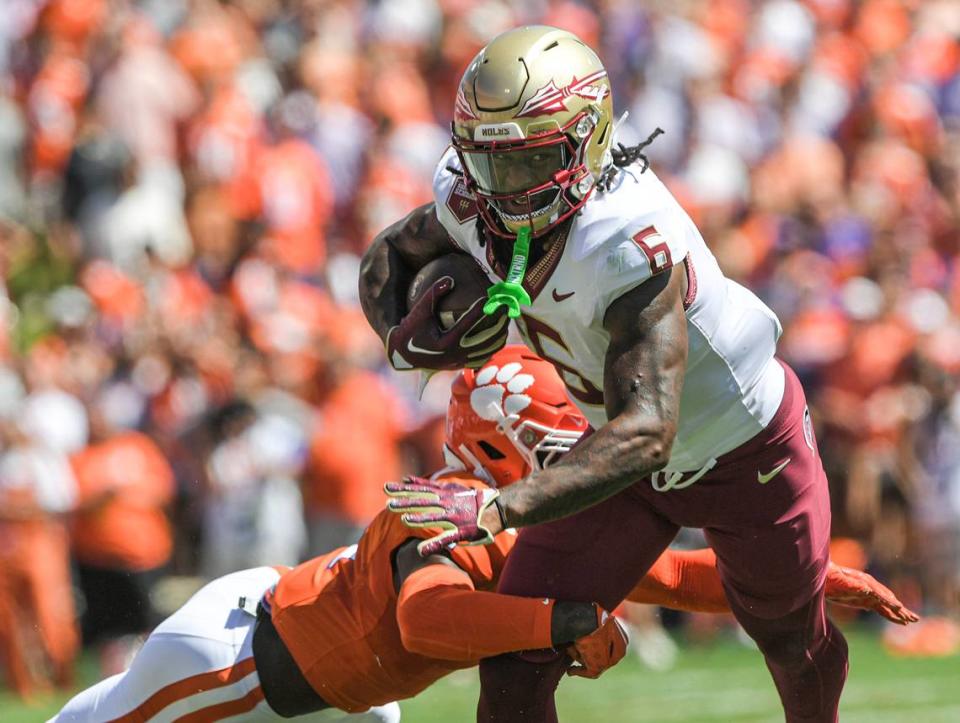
(510, 293)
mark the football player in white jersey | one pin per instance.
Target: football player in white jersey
(697, 423)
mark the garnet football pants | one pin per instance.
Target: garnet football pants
(765, 510)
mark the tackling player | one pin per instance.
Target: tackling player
(375, 622)
(698, 424)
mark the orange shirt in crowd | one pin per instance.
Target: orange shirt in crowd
(360, 643)
(294, 196)
(129, 530)
(354, 449)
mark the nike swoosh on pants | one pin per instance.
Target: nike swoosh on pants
(764, 478)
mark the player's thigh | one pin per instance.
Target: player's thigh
(772, 567)
(199, 656)
(596, 555)
(213, 611)
(100, 702)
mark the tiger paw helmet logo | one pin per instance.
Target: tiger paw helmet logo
(499, 396)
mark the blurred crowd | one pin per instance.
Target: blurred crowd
(187, 384)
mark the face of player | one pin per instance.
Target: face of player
(518, 171)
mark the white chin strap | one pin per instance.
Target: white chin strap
(458, 462)
(607, 160)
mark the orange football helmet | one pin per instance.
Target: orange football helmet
(510, 417)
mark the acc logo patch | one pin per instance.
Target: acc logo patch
(488, 401)
(461, 203)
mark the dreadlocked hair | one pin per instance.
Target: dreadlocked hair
(624, 156)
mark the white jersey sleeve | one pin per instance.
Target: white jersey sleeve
(631, 247)
(456, 208)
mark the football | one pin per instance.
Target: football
(469, 284)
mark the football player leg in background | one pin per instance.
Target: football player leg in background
(375, 622)
(204, 662)
(697, 422)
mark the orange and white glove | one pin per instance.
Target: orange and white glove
(601, 649)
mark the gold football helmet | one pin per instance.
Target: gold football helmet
(533, 127)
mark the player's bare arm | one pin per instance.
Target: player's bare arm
(393, 258)
(644, 367)
(643, 379)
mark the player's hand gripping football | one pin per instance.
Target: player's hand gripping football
(419, 342)
(858, 589)
(601, 649)
(460, 510)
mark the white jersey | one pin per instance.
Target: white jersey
(622, 237)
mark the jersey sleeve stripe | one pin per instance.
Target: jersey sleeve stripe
(691, 294)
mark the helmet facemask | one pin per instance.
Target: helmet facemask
(539, 445)
(532, 447)
(538, 181)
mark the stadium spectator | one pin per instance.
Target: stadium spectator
(121, 537)
(351, 448)
(253, 509)
(38, 636)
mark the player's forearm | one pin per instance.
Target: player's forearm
(643, 380)
(619, 454)
(393, 258)
(440, 615)
(683, 580)
(384, 278)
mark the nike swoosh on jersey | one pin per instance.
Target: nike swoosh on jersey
(417, 350)
(560, 297)
(764, 478)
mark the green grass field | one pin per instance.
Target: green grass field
(724, 682)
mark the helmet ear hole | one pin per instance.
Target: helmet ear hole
(603, 135)
(492, 452)
(543, 458)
